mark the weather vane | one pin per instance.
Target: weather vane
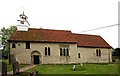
(24, 18)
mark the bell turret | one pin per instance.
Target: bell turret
(23, 24)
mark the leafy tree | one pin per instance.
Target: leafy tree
(117, 52)
(6, 34)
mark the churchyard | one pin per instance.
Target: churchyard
(85, 69)
(103, 69)
(6, 67)
(9, 67)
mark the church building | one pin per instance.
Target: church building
(48, 46)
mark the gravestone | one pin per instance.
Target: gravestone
(4, 68)
(74, 67)
(81, 64)
(15, 66)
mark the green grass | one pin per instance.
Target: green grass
(67, 69)
(5, 60)
(9, 67)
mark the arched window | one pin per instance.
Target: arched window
(64, 53)
(67, 50)
(78, 55)
(45, 50)
(49, 51)
(13, 45)
(60, 51)
(98, 52)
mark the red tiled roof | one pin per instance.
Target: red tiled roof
(43, 35)
(90, 41)
(46, 35)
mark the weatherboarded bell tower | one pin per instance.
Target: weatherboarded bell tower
(23, 24)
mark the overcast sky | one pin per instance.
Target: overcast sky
(74, 15)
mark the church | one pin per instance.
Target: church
(50, 46)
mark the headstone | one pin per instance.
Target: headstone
(4, 69)
(15, 67)
(81, 64)
(74, 67)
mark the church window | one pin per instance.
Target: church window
(60, 51)
(98, 52)
(13, 45)
(78, 55)
(67, 50)
(47, 51)
(27, 45)
(64, 51)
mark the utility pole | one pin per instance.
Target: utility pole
(119, 35)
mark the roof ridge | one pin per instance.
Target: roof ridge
(86, 34)
(48, 29)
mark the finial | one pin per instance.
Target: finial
(23, 16)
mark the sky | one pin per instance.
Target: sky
(74, 15)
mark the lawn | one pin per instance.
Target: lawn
(85, 69)
(9, 67)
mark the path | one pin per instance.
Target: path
(23, 69)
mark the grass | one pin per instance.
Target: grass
(67, 69)
(9, 67)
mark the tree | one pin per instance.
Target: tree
(117, 52)
(6, 34)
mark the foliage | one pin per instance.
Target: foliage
(6, 34)
(116, 54)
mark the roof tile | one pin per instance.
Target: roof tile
(47, 35)
(90, 41)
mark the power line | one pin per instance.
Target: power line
(100, 28)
